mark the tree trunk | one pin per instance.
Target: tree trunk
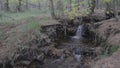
(70, 5)
(27, 7)
(7, 8)
(97, 4)
(92, 6)
(19, 8)
(1, 5)
(108, 11)
(77, 1)
(115, 10)
(60, 7)
(39, 5)
(52, 9)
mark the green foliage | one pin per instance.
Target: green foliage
(107, 1)
(114, 48)
(13, 17)
(78, 10)
(30, 26)
(110, 50)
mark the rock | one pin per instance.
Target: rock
(40, 40)
(55, 53)
(78, 50)
(5, 63)
(35, 64)
(98, 50)
(67, 52)
(1, 65)
(76, 22)
(26, 56)
(53, 31)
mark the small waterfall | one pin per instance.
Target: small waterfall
(77, 54)
(78, 33)
(77, 57)
(77, 38)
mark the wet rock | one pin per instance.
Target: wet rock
(78, 50)
(77, 53)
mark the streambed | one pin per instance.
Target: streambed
(75, 53)
(47, 51)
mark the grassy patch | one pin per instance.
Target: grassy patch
(114, 48)
(30, 26)
(109, 51)
(13, 17)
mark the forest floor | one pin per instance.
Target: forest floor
(20, 31)
(23, 30)
(111, 30)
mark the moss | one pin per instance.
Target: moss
(114, 48)
(109, 50)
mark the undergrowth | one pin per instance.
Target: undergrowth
(108, 49)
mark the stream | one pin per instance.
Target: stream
(69, 52)
(74, 54)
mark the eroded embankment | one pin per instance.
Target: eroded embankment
(109, 30)
(31, 51)
(51, 47)
(42, 50)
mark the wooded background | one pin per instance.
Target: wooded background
(61, 7)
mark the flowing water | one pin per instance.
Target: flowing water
(75, 60)
(79, 33)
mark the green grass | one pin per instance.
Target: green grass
(13, 17)
(114, 48)
(30, 26)
(35, 24)
(32, 19)
(108, 53)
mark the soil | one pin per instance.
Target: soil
(110, 30)
(14, 37)
(13, 34)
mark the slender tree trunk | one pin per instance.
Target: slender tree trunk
(1, 5)
(70, 5)
(92, 6)
(60, 7)
(77, 4)
(39, 5)
(115, 10)
(109, 11)
(52, 9)
(97, 4)
(19, 8)
(27, 7)
(7, 8)
(77, 1)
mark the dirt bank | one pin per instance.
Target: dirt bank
(109, 30)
